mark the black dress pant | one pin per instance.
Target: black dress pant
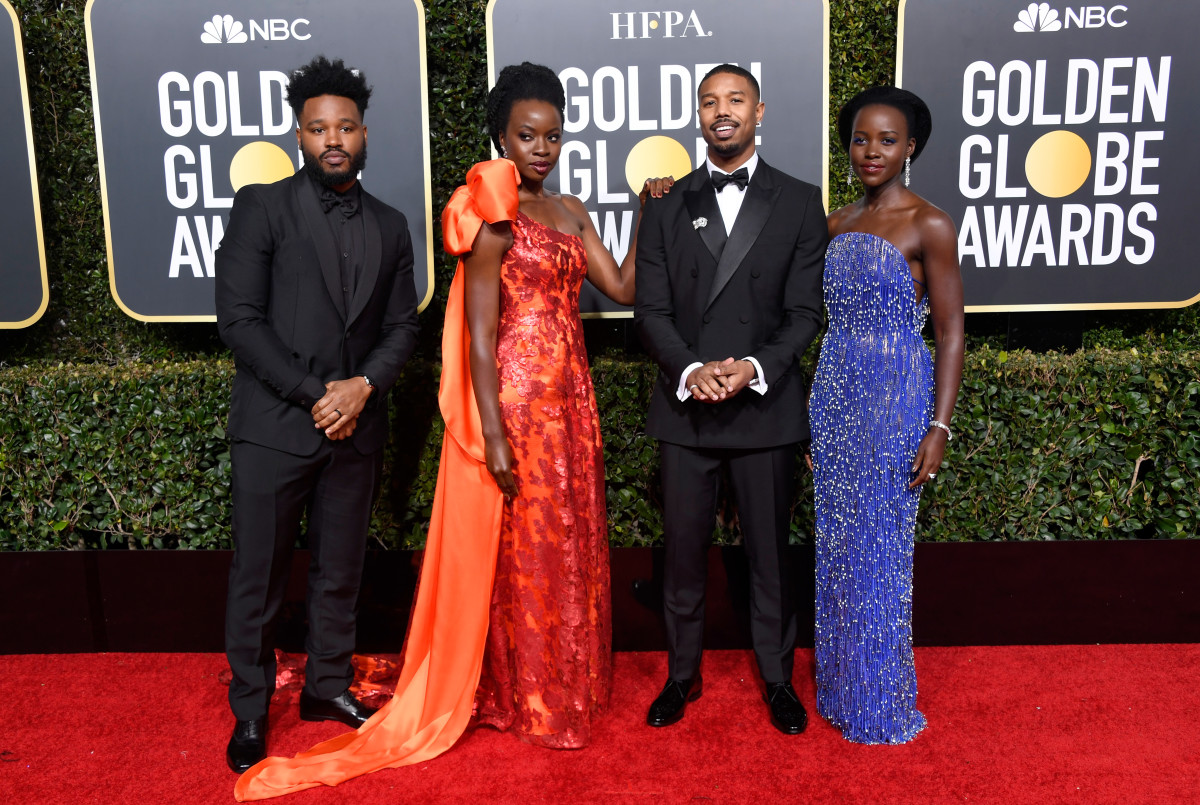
(272, 490)
(763, 488)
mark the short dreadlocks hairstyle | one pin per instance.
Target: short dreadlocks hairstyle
(522, 82)
(324, 77)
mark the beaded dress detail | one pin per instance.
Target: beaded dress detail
(548, 661)
(871, 402)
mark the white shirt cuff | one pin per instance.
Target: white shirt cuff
(759, 383)
(683, 392)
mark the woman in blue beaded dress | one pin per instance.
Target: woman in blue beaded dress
(880, 410)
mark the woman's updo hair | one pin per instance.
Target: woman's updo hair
(915, 112)
(522, 82)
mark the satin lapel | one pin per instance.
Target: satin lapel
(322, 238)
(702, 203)
(752, 217)
(365, 286)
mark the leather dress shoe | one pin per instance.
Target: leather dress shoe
(247, 745)
(668, 707)
(344, 708)
(787, 713)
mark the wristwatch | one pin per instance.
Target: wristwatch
(367, 380)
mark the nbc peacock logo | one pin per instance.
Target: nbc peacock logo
(1038, 17)
(223, 29)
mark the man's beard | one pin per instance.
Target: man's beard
(312, 165)
(728, 148)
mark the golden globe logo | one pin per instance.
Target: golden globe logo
(223, 29)
(217, 107)
(1126, 98)
(656, 24)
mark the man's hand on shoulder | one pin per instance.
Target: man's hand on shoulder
(339, 408)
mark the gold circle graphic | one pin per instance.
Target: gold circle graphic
(656, 156)
(1058, 163)
(259, 163)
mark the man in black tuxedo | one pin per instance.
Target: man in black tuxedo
(728, 298)
(315, 297)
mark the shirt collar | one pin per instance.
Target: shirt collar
(750, 164)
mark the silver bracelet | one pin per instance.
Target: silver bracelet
(933, 423)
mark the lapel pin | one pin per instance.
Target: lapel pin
(699, 222)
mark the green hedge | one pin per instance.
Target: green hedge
(1097, 445)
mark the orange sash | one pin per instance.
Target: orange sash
(443, 651)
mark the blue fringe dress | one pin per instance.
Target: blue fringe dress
(871, 402)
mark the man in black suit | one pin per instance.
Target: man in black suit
(315, 297)
(728, 298)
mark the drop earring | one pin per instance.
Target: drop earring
(907, 170)
(503, 152)
(850, 174)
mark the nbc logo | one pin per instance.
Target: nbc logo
(1038, 17)
(222, 30)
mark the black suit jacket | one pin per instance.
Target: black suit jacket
(702, 297)
(280, 309)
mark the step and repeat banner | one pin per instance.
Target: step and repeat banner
(631, 78)
(190, 105)
(1055, 148)
(22, 251)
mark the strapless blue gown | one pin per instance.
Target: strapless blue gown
(871, 403)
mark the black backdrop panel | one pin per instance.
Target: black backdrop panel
(1060, 147)
(22, 255)
(189, 103)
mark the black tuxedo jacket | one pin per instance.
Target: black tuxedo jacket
(703, 297)
(280, 308)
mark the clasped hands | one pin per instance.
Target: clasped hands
(719, 380)
(337, 412)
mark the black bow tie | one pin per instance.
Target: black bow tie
(331, 199)
(740, 177)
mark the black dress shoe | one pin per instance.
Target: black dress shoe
(787, 713)
(345, 708)
(248, 744)
(668, 707)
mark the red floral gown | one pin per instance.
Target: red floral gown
(547, 663)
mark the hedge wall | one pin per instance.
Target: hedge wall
(111, 429)
(1099, 445)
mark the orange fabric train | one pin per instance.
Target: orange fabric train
(443, 651)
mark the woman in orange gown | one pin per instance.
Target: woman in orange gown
(515, 578)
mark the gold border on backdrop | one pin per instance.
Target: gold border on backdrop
(424, 303)
(33, 182)
(825, 103)
(628, 314)
(1031, 308)
(112, 278)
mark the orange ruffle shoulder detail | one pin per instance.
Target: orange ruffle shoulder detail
(443, 650)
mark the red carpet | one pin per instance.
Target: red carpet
(1077, 724)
